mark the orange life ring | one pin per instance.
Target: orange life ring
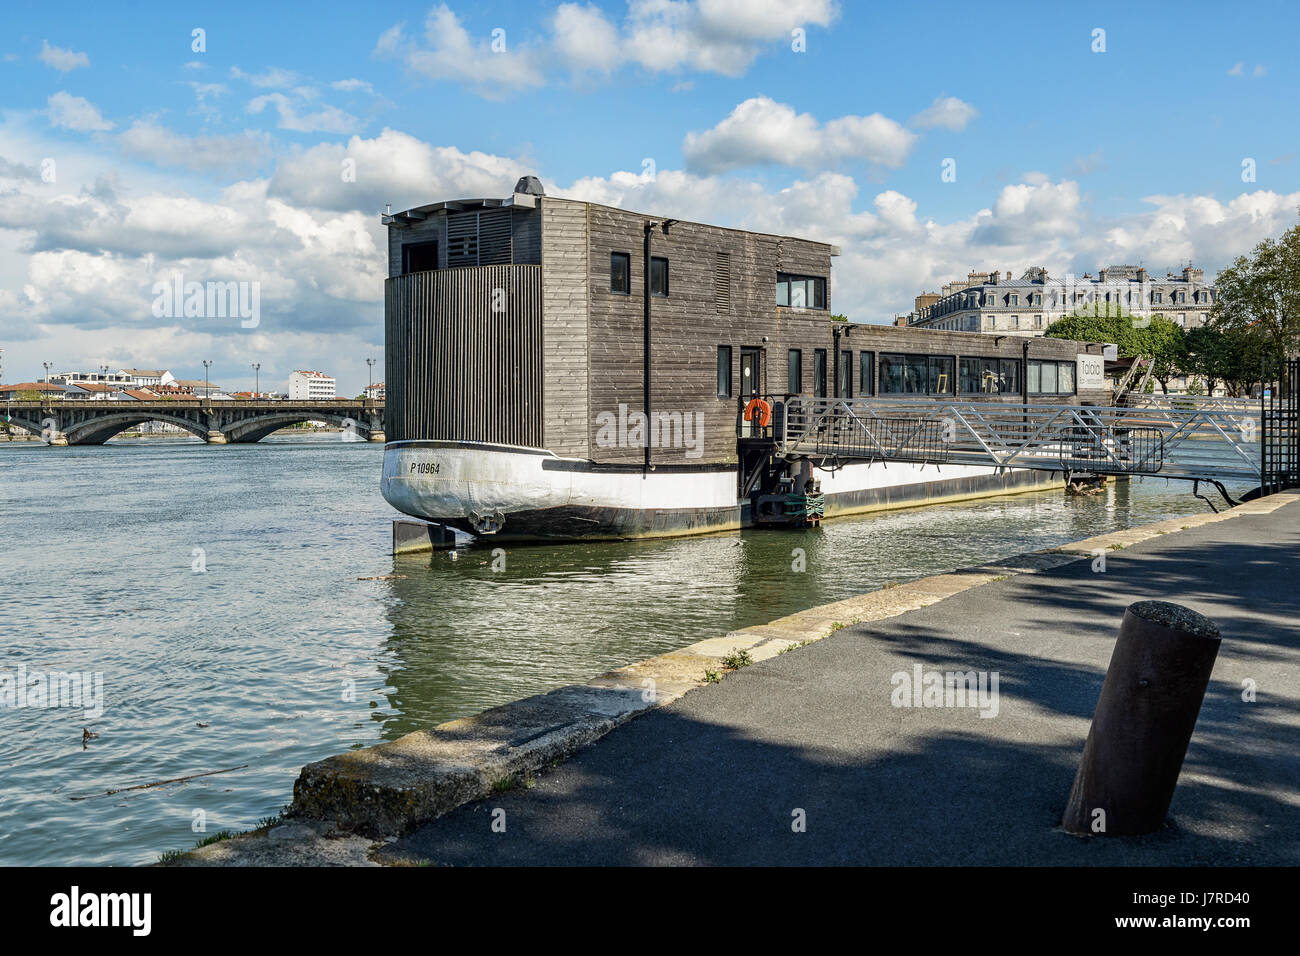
(764, 412)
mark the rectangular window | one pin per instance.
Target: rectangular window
(866, 378)
(989, 376)
(1051, 378)
(620, 272)
(916, 374)
(1013, 299)
(419, 257)
(794, 373)
(819, 373)
(800, 292)
(658, 275)
(724, 371)
(940, 375)
(844, 376)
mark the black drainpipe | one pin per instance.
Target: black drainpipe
(645, 370)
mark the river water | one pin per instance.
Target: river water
(217, 591)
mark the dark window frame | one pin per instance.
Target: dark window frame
(654, 263)
(725, 350)
(911, 366)
(844, 375)
(866, 373)
(788, 279)
(1008, 372)
(626, 258)
(1058, 363)
(422, 245)
(819, 373)
(794, 371)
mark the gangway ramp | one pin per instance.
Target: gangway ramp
(1210, 443)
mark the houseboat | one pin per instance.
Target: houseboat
(559, 369)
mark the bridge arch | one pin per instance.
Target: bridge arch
(258, 427)
(32, 425)
(100, 429)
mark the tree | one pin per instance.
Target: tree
(1162, 342)
(1261, 293)
(1099, 323)
(1228, 355)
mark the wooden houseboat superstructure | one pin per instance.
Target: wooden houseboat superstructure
(523, 335)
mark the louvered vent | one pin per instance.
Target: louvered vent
(494, 238)
(722, 282)
(462, 240)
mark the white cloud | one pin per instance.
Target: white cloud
(584, 39)
(761, 130)
(75, 113)
(147, 140)
(352, 85)
(329, 119)
(61, 59)
(709, 36)
(1239, 69)
(393, 167)
(272, 78)
(945, 112)
(492, 65)
(714, 36)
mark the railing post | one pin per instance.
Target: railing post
(1144, 719)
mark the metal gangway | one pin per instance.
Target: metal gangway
(1199, 443)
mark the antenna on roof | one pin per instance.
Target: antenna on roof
(388, 209)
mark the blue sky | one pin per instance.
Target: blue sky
(223, 164)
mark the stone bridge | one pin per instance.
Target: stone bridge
(216, 422)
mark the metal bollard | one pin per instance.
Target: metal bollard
(1148, 706)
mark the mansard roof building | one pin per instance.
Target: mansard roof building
(994, 302)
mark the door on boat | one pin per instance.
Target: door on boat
(751, 381)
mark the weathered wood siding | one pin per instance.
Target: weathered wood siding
(455, 369)
(565, 298)
(722, 291)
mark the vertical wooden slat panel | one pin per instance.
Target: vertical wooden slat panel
(460, 371)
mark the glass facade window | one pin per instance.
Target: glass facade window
(819, 373)
(916, 374)
(658, 276)
(941, 382)
(724, 371)
(1051, 378)
(620, 272)
(794, 383)
(800, 292)
(844, 376)
(990, 376)
(866, 376)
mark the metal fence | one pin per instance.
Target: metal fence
(1196, 443)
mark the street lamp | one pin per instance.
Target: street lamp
(207, 380)
(370, 376)
(256, 368)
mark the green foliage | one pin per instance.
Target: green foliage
(1260, 294)
(1223, 354)
(738, 658)
(839, 317)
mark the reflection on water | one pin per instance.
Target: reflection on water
(277, 655)
(464, 635)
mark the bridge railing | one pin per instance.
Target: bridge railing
(1189, 443)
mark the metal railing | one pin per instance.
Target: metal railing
(1194, 443)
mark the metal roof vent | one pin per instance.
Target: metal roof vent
(530, 185)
